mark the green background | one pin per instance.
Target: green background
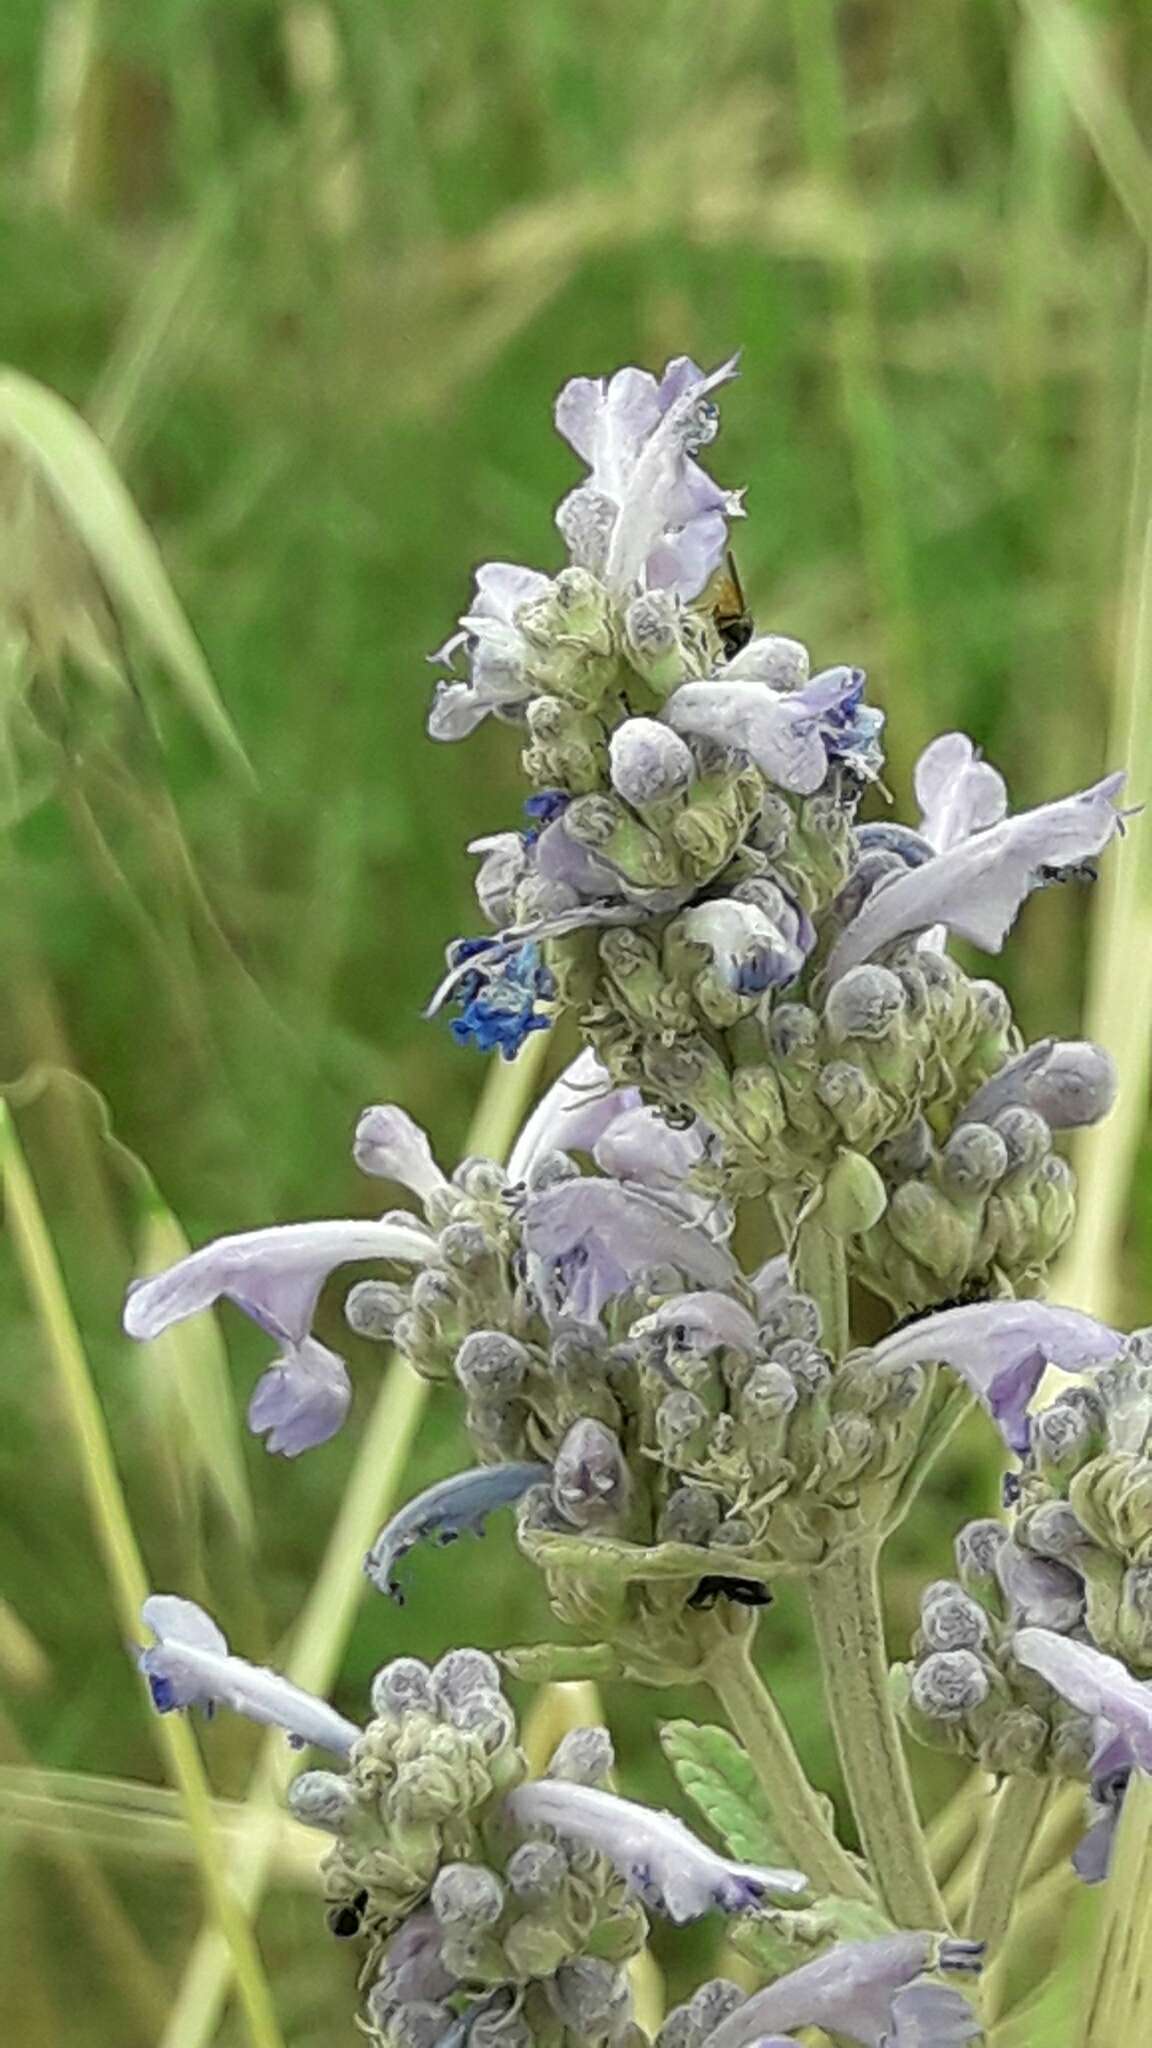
(315, 272)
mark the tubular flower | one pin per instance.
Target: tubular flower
(191, 1665)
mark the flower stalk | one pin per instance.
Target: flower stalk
(845, 1602)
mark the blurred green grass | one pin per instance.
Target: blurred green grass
(314, 272)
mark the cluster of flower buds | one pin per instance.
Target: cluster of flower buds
(1085, 1497)
(504, 1908)
(965, 1688)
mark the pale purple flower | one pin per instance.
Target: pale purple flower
(1097, 1685)
(587, 1239)
(275, 1276)
(190, 1665)
(579, 1106)
(779, 731)
(976, 888)
(752, 950)
(1001, 1349)
(391, 1146)
(505, 861)
(772, 659)
(648, 516)
(641, 1147)
(443, 1512)
(496, 648)
(652, 1850)
(1069, 1082)
(1112, 1766)
(958, 793)
(855, 1990)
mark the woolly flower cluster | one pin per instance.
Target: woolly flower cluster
(769, 1011)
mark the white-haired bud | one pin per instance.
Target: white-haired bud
(648, 762)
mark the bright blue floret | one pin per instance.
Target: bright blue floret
(542, 809)
(498, 1004)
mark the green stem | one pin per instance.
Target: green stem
(1005, 1850)
(821, 1270)
(802, 1815)
(955, 1408)
(845, 1604)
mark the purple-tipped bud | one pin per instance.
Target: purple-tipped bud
(865, 1003)
(591, 1998)
(649, 762)
(401, 1686)
(1069, 1083)
(949, 1684)
(583, 1757)
(490, 1363)
(951, 1620)
(1026, 1136)
(978, 1546)
(321, 1799)
(536, 1871)
(591, 1483)
(691, 1515)
(467, 1896)
(461, 1673)
(374, 1307)
(973, 1160)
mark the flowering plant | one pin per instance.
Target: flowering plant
(770, 1016)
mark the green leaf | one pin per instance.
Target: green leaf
(776, 1941)
(58, 449)
(715, 1772)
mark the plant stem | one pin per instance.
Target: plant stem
(821, 1271)
(845, 1604)
(1115, 2006)
(1005, 1850)
(802, 1815)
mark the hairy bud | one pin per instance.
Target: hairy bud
(949, 1684)
(952, 1620)
(864, 1003)
(374, 1307)
(467, 1895)
(591, 1483)
(490, 1363)
(322, 1799)
(536, 1872)
(649, 762)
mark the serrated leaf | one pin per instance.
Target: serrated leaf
(58, 449)
(777, 1941)
(717, 1776)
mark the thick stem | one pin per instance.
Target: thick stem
(1005, 1850)
(845, 1605)
(802, 1816)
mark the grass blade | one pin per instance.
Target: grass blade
(127, 1579)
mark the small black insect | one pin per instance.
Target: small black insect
(975, 1291)
(744, 1592)
(344, 1921)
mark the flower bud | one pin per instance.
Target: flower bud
(488, 1363)
(322, 1799)
(374, 1307)
(400, 1686)
(1063, 1439)
(391, 1146)
(461, 1673)
(584, 1756)
(768, 1395)
(486, 1715)
(435, 1295)
(793, 1031)
(649, 762)
(734, 1533)
(425, 1789)
(591, 1483)
(1016, 1741)
(807, 1366)
(416, 2024)
(952, 1620)
(536, 1872)
(1027, 1138)
(690, 1515)
(682, 1425)
(1069, 1083)
(973, 1160)
(590, 1997)
(908, 1155)
(467, 1895)
(993, 1010)
(774, 826)
(949, 1684)
(1134, 1621)
(484, 1179)
(853, 1099)
(498, 2028)
(978, 1545)
(864, 1003)
(653, 631)
(1052, 1530)
(466, 1247)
